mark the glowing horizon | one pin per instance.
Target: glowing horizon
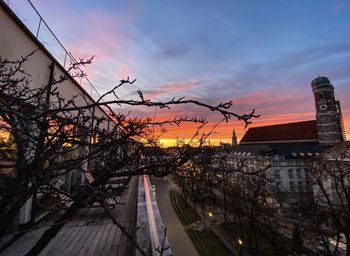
(263, 56)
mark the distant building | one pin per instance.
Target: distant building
(234, 138)
(299, 132)
(329, 118)
(327, 129)
(333, 181)
(286, 150)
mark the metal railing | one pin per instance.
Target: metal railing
(31, 18)
(155, 244)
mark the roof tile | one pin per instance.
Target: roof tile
(292, 132)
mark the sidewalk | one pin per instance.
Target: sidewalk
(180, 242)
(212, 223)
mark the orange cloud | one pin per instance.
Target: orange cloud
(223, 132)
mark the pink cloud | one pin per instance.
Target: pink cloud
(271, 98)
(87, 32)
(100, 37)
(123, 72)
(171, 88)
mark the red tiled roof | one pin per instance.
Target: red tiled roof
(291, 132)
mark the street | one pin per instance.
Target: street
(180, 242)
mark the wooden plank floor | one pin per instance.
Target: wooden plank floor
(23, 245)
(91, 232)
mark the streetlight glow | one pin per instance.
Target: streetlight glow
(210, 214)
(240, 242)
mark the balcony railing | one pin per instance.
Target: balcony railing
(155, 244)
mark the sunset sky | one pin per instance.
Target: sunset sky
(260, 54)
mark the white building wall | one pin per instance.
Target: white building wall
(281, 171)
(15, 43)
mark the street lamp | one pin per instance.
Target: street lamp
(211, 219)
(240, 243)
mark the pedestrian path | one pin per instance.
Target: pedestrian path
(214, 222)
(180, 243)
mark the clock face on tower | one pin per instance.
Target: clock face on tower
(323, 107)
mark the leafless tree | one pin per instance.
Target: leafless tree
(50, 136)
(327, 216)
(255, 216)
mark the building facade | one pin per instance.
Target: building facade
(286, 151)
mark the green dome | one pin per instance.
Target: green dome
(320, 80)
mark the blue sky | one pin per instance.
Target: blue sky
(261, 54)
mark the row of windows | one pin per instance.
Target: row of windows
(291, 173)
(288, 163)
(300, 187)
(250, 161)
(295, 186)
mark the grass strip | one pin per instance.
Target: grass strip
(185, 212)
(207, 243)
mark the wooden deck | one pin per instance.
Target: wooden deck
(91, 232)
(23, 245)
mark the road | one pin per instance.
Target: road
(179, 241)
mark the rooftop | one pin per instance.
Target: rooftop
(305, 131)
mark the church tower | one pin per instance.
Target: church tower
(329, 119)
(234, 138)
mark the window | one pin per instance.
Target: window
(308, 186)
(290, 173)
(291, 186)
(278, 186)
(306, 172)
(277, 174)
(299, 173)
(8, 152)
(300, 186)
